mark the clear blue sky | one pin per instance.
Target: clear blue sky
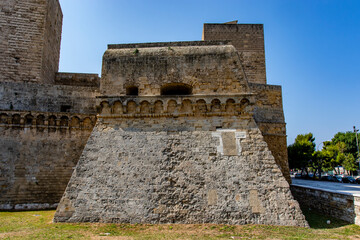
(312, 47)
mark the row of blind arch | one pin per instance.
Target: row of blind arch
(43, 120)
(171, 106)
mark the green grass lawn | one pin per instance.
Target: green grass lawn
(38, 225)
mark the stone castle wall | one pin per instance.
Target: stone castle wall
(45, 116)
(48, 98)
(207, 69)
(39, 152)
(77, 79)
(178, 177)
(220, 93)
(269, 116)
(248, 39)
(43, 130)
(337, 205)
(178, 141)
(52, 40)
(30, 37)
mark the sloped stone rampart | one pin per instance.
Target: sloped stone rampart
(178, 177)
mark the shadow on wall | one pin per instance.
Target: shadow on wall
(319, 220)
(340, 209)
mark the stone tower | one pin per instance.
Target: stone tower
(177, 141)
(30, 37)
(46, 117)
(248, 39)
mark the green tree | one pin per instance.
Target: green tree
(349, 163)
(333, 155)
(318, 162)
(349, 139)
(301, 152)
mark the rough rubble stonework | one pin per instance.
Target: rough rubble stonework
(162, 177)
(189, 123)
(183, 148)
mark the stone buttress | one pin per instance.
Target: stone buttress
(176, 142)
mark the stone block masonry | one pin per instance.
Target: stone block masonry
(178, 141)
(338, 205)
(30, 36)
(48, 97)
(186, 132)
(248, 39)
(38, 153)
(179, 177)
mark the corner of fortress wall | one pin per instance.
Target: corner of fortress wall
(227, 177)
(46, 118)
(155, 157)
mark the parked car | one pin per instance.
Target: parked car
(348, 179)
(337, 178)
(326, 178)
(331, 178)
(298, 175)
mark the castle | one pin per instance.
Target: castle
(182, 132)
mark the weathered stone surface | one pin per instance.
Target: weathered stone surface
(198, 66)
(177, 141)
(30, 35)
(165, 177)
(183, 135)
(337, 205)
(37, 160)
(48, 98)
(248, 39)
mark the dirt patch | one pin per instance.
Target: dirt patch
(13, 234)
(111, 237)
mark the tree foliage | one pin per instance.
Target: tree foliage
(340, 151)
(300, 153)
(349, 139)
(349, 163)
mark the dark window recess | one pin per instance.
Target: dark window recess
(134, 91)
(176, 89)
(65, 108)
(28, 120)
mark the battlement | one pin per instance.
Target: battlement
(167, 44)
(244, 37)
(77, 79)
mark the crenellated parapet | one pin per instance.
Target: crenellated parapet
(42, 120)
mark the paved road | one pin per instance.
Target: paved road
(345, 188)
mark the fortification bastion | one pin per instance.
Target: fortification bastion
(183, 132)
(176, 141)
